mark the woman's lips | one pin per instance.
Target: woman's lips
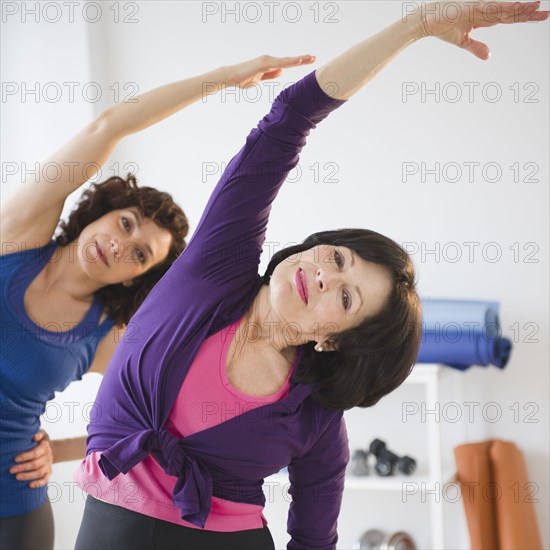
(301, 284)
(102, 256)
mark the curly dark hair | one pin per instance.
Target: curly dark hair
(121, 302)
(374, 358)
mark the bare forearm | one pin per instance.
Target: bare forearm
(156, 105)
(68, 449)
(349, 72)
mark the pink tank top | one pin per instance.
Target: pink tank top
(206, 398)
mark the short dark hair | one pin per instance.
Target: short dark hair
(374, 358)
(122, 302)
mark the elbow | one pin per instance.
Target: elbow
(105, 125)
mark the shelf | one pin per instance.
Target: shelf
(378, 483)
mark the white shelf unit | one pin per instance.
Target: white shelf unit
(376, 502)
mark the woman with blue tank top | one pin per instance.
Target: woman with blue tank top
(66, 301)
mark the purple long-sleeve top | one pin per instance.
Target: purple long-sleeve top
(210, 286)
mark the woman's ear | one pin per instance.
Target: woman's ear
(324, 346)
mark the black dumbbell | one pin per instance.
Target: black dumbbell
(359, 465)
(407, 465)
(386, 460)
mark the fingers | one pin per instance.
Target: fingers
(33, 464)
(43, 472)
(286, 62)
(39, 435)
(479, 49)
(532, 12)
(521, 12)
(41, 482)
(511, 12)
(301, 60)
(272, 67)
(42, 448)
(271, 74)
(33, 469)
(297, 60)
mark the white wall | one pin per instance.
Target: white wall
(367, 141)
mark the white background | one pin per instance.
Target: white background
(367, 141)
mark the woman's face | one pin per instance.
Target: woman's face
(122, 245)
(327, 289)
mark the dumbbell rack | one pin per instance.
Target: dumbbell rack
(377, 502)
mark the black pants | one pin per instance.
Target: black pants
(32, 531)
(111, 527)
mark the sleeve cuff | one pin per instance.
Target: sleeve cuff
(307, 97)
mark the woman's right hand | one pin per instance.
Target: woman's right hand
(264, 67)
(453, 21)
(35, 465)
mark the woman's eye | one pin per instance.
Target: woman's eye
(345, 300)
(128, 226)
(338, 258)
(139, 254)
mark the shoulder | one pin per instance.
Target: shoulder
(25, 251)
(106, 348)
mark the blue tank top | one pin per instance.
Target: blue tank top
(34, 363)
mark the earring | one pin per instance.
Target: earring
(318, 347)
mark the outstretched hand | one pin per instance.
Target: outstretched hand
(264, 67)
(454, 21)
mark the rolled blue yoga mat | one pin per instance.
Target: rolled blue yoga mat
(462, 333)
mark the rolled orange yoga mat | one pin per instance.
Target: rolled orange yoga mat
(498, 496)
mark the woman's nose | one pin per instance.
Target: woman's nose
(323, 280)
(114, 246)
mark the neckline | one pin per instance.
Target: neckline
(93, 314)
(232, 330)
(288, 406)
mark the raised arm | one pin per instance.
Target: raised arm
(226, 246)
(160, 103)
(317, 478)
(449, 21)
(41, 200)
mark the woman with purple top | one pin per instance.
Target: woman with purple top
(230, 376)
(66, 302)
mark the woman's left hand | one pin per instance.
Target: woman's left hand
(264, 67)
(36, 464)
(454, 21)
